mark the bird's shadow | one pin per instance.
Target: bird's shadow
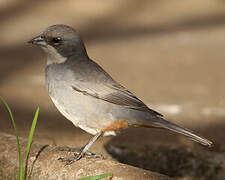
(170, 158)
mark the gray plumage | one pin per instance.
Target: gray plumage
(87, 95)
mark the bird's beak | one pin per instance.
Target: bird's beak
(39, 40)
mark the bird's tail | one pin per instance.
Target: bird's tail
(160, 122)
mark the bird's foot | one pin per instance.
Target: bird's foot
(78, 154)
(72, 159)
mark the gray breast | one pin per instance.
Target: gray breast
(83, 111)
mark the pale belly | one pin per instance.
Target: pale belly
(83, 111)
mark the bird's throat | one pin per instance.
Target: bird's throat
(53, 56)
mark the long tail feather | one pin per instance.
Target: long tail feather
(160, 122)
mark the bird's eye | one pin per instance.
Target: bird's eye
(56, 40)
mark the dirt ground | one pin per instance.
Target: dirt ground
(169, 53)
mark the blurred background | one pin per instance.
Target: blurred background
(169, 53)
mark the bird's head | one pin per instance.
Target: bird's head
(60, 42)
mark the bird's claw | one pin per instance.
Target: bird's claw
(70, 160)
(78, 155)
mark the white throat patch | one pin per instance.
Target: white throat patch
(53, 56)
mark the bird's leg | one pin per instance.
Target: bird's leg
(83, 151)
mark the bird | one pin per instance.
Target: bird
(88, 96)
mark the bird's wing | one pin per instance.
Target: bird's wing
(103, 87)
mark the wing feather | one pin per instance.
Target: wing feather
(90, 79)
